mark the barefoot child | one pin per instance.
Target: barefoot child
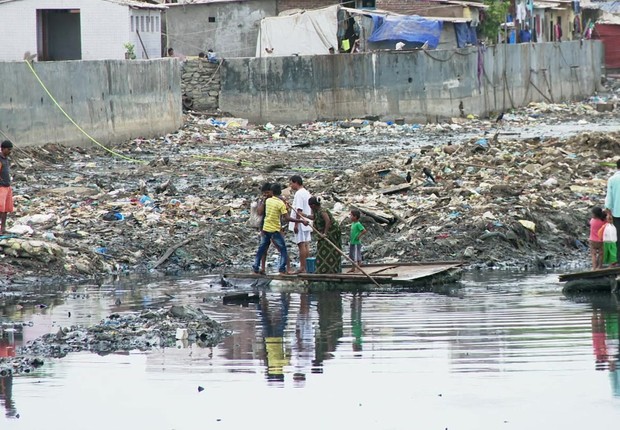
(596, 243)
(355, 244)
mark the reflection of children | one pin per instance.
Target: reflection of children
(355, 243)
(599, 339)
(609, 236)
(596, 243)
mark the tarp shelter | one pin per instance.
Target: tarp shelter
(309, 32)
(406, 28)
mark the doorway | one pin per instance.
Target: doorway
(59, 34)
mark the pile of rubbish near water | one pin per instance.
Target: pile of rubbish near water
(473, 189)
(146, 330)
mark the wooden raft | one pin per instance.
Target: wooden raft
(397, 273)
(592, 280)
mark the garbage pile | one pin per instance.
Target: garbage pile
(482, 190)
(149, 329)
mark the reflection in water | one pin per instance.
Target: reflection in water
(7, 349)
(356, 321)
(329, 308)
(303, 347)
(6, 396)
(501, 341)
(605, 340)
(274, 317)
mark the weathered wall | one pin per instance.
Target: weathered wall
(112, 100)
(415, 85)
(200, 84)
(232, 33)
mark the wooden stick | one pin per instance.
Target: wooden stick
(345, 255)
(170, 250)
(337, 249)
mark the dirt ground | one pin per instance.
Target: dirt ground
(510, 193)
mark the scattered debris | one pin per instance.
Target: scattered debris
(458, 189)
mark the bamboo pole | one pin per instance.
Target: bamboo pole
(336, 248)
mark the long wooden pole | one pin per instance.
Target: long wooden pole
(337, 249)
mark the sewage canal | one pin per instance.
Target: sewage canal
(505, 350)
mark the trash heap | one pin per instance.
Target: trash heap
(495, 192)
(149, 329)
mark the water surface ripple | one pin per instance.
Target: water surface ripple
(505, 350)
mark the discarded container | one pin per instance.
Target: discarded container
(181, 333)
(311, 265)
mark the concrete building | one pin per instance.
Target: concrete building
(58, 30)
(229, 27)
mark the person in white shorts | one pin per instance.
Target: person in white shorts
(303, 233)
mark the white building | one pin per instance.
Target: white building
(79, 29)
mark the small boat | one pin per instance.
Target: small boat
(418, 275)
(601, 280)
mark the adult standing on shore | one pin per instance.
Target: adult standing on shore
(303, 233)
(6, 193)
(612, 201)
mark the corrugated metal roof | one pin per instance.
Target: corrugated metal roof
(424, 7)
(609, 6)
(130, 3)
(186, 2)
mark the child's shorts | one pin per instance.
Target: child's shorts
(597, 246)
(355, 252)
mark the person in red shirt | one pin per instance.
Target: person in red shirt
(596, 242)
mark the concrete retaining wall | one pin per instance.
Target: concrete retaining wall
(112, 100)
(414, 85)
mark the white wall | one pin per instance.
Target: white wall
(150, 35)
(105, 28)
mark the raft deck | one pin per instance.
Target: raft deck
(592, 280)
(402, 274)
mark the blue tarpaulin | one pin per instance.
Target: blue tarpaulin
(465, 35)
(410, 28)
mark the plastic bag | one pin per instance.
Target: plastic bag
(255, 220)
(609, 233)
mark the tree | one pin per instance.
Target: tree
(494, 17)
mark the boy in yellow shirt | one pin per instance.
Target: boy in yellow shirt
(275, 211)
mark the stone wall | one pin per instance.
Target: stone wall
(200, 84)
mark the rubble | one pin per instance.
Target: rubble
(149, 329)
(495, 192)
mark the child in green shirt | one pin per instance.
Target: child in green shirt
(355, 243)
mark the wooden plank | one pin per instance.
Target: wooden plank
(601, 273)
(376, 272)
(400, 273)
(395, 188)
(376, 214)
(341, 275)
(415, 263)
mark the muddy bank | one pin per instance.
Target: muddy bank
(176, 326)
(493, 194)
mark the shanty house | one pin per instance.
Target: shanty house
(57, 30)
(228, 27)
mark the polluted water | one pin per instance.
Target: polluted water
(498, 350)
